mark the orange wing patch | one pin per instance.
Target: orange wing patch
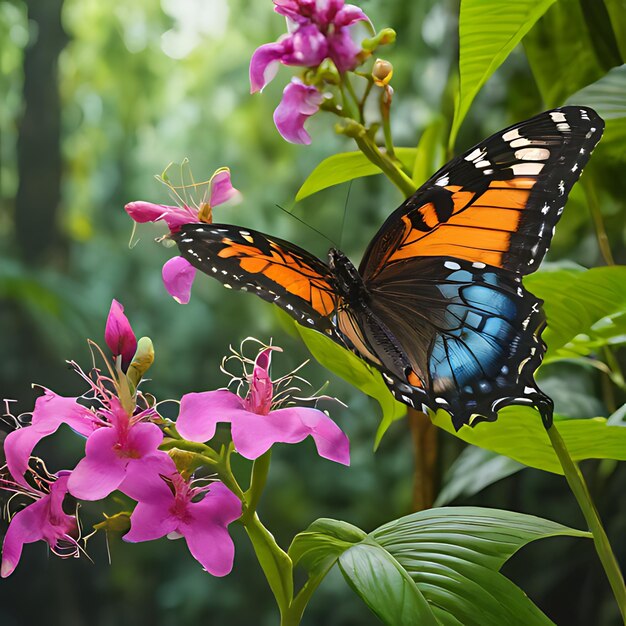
(479, 229)
(284, 269)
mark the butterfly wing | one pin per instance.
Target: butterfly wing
(275, 270)
(498, 203)
(472, 335)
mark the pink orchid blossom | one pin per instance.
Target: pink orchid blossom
(44, 519)
(116, 441)
(221, 191)
(319, 30)
(119, 335)
(255, 426)
(169, 505)
(299, 102)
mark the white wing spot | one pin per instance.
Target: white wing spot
(474, 154)
(527, 169)
(479, 265)
(443, 181)
(557, 116)
(482, 164)
(545, 208)
(532, 154)
(186, 240)
(227, 286)
(575, 167)
(512, 134)
(561, 187)
(519, 143)
(451, 265)
(487, 172)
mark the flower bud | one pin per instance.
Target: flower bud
(144, 357)
(382, 72)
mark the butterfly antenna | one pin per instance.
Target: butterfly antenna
(345, 212)
(308, 225)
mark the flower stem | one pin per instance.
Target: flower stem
(369, 148)
(258, 478)
(598, 221)
(579, 488)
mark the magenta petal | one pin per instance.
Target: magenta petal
(119, 335)
(50, 412)
(264, 64)
(178, 275)
(206, 534)
(143, 439)
(144, 478)
(348, 15)
(173, 216)
(305, 47)
(343, 51)
(151, 521)
(299, 102)
(221, 188)
(102, 470)
(201, 412)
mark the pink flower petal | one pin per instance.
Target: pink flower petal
(299, 102)
(221, 188)
(178, 275)
(151, 521)
(50, 412)
(264, 65)
(348, 15)
(43, 519)
(119, 335)
(343, 50)
(253, 435)
(206, 534)
(173, 216)
(144, 478)
(259, 397)
(201, 412)
(305, 47)
(102, 470)
(143, 439)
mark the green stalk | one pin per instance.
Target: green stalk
(579, 488)
(598, 221)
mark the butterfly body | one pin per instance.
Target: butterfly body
(437, 303)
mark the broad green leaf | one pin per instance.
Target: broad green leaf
(454, 554)
(445, 558)
(430, 151)
(590, 41)
(519, 434)
(385, 586)
(346, 166)
(576, 300)
(488, 32)
(355, 371)
(322, 543)
(472, 471)
(606, 96)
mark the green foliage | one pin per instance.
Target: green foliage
(488, 32)
(344, 167)
(449, 557)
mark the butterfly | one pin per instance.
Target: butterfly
(437, 303)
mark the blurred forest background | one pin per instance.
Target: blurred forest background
(97, 97)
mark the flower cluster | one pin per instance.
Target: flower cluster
(319, 30)
(131, 447)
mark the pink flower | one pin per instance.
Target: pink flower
(255, 426)
(44, 519)
(320, 29)
(119, 335)
(116, 441)
(221, 191)
(299, 102)
(115, 449)
(168, 505)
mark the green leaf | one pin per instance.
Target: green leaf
(355, 371)
(617, 14)
(576, 300)
(454, 554)
(472, 471)
(322, 543)
(488, 32)
(606, 96)
(519, 434)
(385, 586)
(430, 151)
(346, 166)
(439, 566)
(590, 41)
